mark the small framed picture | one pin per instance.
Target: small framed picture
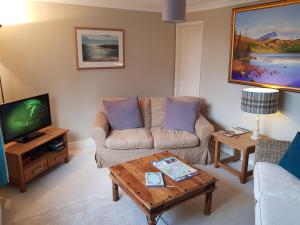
(99, 48)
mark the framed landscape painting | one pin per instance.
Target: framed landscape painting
(99, 48)
(265, 45)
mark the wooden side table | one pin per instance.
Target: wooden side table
(241, 144)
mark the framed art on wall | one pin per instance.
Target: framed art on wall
(99, 48)
(265, 45)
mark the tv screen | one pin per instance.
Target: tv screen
(25, 116)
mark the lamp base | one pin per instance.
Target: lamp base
(255, 134)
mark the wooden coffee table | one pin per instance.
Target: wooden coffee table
(130, 176)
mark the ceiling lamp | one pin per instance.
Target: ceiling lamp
(174, 11)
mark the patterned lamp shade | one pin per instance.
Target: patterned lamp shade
(260, 100)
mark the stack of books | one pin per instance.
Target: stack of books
(233, 131)
(154, 179)
(175, 169)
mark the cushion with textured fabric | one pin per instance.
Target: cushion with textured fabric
(181, 115)
(158, 108)
(124, 114)
(144, 104)
(291, 159)
(139, 138)
(270, 150)
(165, 138)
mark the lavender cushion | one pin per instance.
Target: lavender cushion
(181, 115)
(124, 114)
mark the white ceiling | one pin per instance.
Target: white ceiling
(151, 5)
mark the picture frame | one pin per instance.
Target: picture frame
(99, 48)
(265, 45)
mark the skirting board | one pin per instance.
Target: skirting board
(89, 142)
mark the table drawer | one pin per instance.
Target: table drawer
(56, 158)
(35, 169)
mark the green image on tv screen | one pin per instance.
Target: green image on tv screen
(22, 117)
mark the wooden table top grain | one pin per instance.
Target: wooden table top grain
(239, 142)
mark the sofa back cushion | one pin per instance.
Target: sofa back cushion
(181, 115)
(144, 104)
(158, 108)
(124, 114)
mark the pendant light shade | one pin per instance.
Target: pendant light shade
(174, 11)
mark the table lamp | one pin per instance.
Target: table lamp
(259, 101)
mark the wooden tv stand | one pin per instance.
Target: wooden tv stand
(28, 160)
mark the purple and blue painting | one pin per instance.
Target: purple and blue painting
(266, 46)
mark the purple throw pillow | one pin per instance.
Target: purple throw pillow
(181, 115)
(124, 114)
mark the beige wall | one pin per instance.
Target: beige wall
(39, 57)
(223, 99)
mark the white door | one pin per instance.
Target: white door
(188, 58)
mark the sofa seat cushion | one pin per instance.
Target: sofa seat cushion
(271, 210)
(271, 179)
(130, 139)
(166, 139)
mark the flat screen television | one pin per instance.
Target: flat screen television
(21, 119)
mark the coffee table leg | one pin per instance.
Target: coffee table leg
(115, 192)
(208, 201)
(151, 220)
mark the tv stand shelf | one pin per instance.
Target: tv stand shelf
(25, 161)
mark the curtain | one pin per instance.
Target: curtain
(3, 165)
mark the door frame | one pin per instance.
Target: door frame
(178, 57)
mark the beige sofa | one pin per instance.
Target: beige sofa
(116, 146)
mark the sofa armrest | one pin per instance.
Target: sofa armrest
(100, 129)
(270, 150)
(203, 128)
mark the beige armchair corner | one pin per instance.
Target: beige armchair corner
(204, 130)
(100, 131)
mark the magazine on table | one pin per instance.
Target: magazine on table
(154, 179)
(175, 169)
(233, 131)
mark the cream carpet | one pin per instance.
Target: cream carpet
(79, 193)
